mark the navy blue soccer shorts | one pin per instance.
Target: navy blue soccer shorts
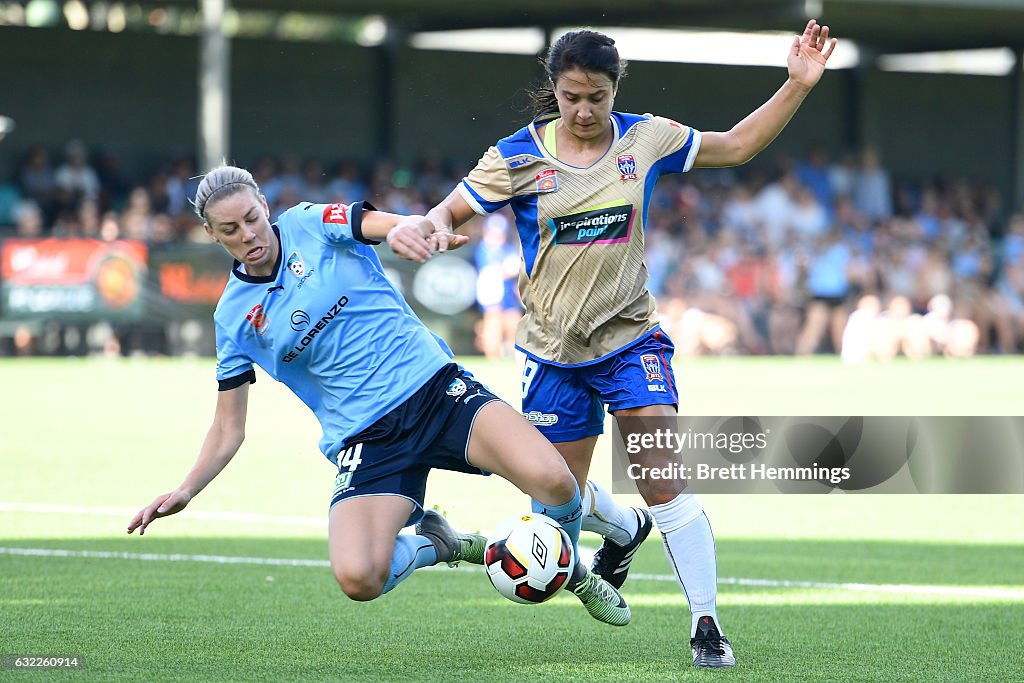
(568, 403)
(431, 429)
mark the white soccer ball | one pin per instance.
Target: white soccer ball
(529, 558)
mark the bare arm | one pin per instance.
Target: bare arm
(806, 63)
(222, 442)
(418, 237)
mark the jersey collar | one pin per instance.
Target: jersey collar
(539, 142)
(236, 266)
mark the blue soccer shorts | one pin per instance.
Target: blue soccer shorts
(431, 429)
(568, 403)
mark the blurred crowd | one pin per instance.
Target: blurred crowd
(783, 256)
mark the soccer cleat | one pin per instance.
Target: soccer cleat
(451, 546)
(612, 561)
(601, 600)
(711, 649)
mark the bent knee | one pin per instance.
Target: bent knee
(361, 583)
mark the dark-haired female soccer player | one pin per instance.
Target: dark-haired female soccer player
(579, 179)
(308, 302)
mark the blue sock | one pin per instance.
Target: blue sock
(411, 553)
(569, 515)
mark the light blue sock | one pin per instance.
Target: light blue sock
(411, 553)
(569, 515)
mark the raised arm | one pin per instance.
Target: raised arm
(806, 63)
(222, 442)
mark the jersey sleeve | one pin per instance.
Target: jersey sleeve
(338, 224)
(488, 187)
(679, 144)
(233, 367)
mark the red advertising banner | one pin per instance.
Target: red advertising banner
(72, 277)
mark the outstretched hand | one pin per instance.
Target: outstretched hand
(808, 54)
(162, 506)
(417, 239)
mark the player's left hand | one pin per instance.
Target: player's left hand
(164, 505)
(443, 240)
(808, 54)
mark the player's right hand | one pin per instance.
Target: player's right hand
(162, 506)
(408, 241)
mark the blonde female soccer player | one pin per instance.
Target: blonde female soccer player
(392, 404)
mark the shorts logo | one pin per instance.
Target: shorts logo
(627, 166)
(609, 225)
(547, 181)
(258, 318)
(456, 388)
(336, 213)
(652, 367)
(539, 419)
(300, 320)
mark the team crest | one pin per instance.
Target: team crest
(336, 213)
(547, 181)
(652, 367)
(295, 264)
(456, 388)
(627, 166)
(257, 317)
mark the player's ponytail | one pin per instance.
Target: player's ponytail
(221, 182)
(584, 49)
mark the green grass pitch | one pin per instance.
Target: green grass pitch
(841, 587)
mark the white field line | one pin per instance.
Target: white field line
(128, 513)
(902, 589)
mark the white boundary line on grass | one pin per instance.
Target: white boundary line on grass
(128, 513)
(903, 589)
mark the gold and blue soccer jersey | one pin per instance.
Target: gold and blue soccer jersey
(583, 281)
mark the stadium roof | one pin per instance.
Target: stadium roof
(882, 25)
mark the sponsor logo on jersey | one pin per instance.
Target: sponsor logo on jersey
(317, 328)
(257, 317)
(300, 320)
(657, 387)
(336, 213)
(609, 225)
(652, 366)
(547, 181)
(539, 419)
(521, 160)
(627, 166)
(456, 388)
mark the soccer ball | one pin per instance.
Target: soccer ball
(529, 558)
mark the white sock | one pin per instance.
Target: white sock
(690, 547)
(602, 515)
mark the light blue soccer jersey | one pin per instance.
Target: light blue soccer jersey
(327, 323)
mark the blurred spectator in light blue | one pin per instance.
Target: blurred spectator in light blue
(497, 263)
(775, 206)
(872, 188)
(828, 285)
(813, 173)
(346, 183)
